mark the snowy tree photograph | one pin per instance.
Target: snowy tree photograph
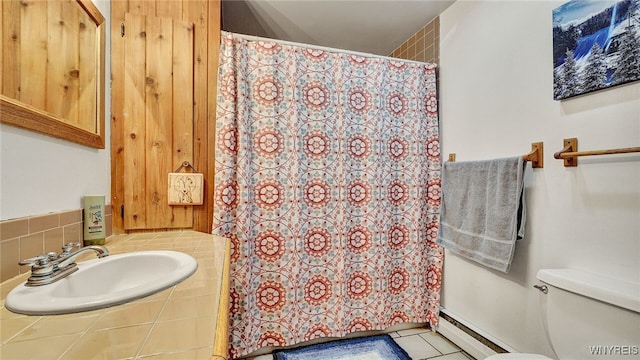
(596, 45)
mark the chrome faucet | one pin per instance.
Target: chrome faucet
(49, 268)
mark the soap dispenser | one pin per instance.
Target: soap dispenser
(94, 229)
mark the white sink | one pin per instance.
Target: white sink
(100, 283)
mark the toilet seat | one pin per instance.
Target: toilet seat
(517, 356)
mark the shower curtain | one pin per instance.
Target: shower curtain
(328, 185)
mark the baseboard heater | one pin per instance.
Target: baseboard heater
(468, 339)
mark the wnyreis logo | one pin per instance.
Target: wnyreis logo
(615, 350)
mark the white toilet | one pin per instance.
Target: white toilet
(587, 316)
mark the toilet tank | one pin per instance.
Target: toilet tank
(590, 316)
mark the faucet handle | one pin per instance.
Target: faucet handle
(40, 265)
(38, 260)
(66, 249)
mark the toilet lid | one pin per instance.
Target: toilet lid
(517, 356)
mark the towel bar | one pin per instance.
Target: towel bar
(570, 152)
(536, 156)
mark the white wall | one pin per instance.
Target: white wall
(496, 99)
(41, 174)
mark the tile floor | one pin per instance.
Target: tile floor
(420, 344)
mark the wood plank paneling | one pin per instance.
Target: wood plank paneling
(50, 60)
(11, 48)
(135, 137)
(87, 84)
(158, 120)
(182, 109)
(3, 42)
(206, 217)
(62, 73)
(33, 69)
(144, 7)
(205, 15)
(163, 54)
(118, 10)
(169, 9)
(201, 156)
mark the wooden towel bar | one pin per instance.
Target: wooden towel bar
(536, 156)
(570, 152)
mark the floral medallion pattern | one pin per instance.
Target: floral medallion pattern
(359, 146)
(359, 240)
(269, 194)
(269, 245)
(228, 140)
(358, 96)
(398, 236)
(328, 185)
(318, 143)
(317, 242)
(317, 331)
(359, 285)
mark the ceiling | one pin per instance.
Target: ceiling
(370, 26)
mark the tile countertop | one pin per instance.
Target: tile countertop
(186, 321)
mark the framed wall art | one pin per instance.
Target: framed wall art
(596, 45)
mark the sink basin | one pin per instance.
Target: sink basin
(100, 283)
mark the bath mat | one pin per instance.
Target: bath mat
(379, 347)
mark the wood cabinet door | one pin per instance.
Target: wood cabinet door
(158, 118)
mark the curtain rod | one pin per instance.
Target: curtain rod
(324, 48)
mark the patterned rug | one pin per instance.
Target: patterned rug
(379, 347)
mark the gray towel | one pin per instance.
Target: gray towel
(483, 211)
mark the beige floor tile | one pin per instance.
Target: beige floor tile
(175, 247)
(207, 271)
(129, 315)
(13, 326)
(8, 285)
(200, 353)
(186, 307)
(142, 237)
(413, 331)
(124, 248)
(454, 356)
(416, 347)
(179, 335)
(56, 325)
(440, 342)
(191, 288)
(208, 258)
(162, 295)
(47, 348)
(118, 343)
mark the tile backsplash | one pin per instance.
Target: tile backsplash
(423, 46)
(31, 236)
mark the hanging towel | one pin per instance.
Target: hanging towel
(483, 210)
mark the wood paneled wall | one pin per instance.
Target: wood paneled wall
(205, 15)
(49, 59)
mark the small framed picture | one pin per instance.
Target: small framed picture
(185, 189)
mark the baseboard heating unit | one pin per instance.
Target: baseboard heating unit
(467, 337)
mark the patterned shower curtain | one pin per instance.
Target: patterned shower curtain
(328, 184)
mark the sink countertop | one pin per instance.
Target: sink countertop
(180, 322)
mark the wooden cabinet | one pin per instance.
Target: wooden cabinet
(52, 57)
(144, 152)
